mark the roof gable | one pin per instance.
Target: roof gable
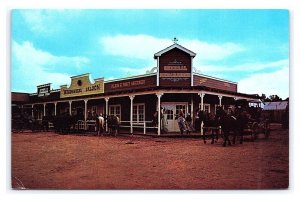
(175, 45)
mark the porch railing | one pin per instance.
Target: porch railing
(136, 124)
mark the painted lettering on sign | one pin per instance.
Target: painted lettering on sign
(175, 68)
(174, 75)
(66, 92)
(226, 84)
(202, 81)
(128, 84)
(43, 90)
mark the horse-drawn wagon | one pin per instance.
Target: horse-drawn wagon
(256, 127)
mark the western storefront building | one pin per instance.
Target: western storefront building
(174, 87)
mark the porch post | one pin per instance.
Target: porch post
(131, 112)
(158, 106)
(32, 114)
(85, 112)
(192, 107)
(157, 72)
(201, 94)
(220, 100)
(106, 112)
(70, 108)
(55, 103)
(44, 114)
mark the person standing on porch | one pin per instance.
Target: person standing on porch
(188, 123)
(181, 123)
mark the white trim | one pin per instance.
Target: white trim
(81, 75)
(157, 73)
(206, 104)
(144, 111)
(115, 105)
(172, 47)
(131, 77)
(216, 105)
(214, 78)
(99, 79)
(192, 75)
(44, 85)
(154, 93)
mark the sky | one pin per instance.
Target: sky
(250, 47)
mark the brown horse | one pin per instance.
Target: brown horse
(113, 124)
(210, 123)
(232, 124)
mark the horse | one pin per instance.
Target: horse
(45, 122)
(23, 121)
(113, 123)
(232, 124)
(228, 124)
(64, 122)
(100, 125)
(210, 122)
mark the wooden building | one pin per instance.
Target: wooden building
(174, 87)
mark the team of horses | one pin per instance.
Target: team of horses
(65, 123)
(229, 125)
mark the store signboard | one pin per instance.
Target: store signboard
(175, 68)
(81, 86)
(43, 90)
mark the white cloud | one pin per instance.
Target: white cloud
(143, 46)
(48, 22)
(136, 71)
(210, 51)
(133, 46)
(247, 67)
(267, 83)
(32, 67)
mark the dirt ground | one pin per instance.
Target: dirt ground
(52, 161)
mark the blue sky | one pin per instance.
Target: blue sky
(250, 47)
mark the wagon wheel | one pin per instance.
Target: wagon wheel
(254, 131)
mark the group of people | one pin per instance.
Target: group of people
(185, 123)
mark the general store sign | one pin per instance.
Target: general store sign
(81, 86)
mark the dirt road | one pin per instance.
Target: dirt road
(53, 161)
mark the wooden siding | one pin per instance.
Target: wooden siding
(167, 59)
(130, 84)
(213, 83)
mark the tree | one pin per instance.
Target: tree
(275, 98)
(271, 98)
(263, 97)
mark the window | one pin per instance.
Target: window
(138, 114)
(180, 108)
(115, 110)
(206, 108)
(94, 109)
(216, 105)
(169, 114)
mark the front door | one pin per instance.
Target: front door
(171, 112)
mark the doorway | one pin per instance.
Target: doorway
(171, 112)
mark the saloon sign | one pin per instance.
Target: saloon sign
(81, 85)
